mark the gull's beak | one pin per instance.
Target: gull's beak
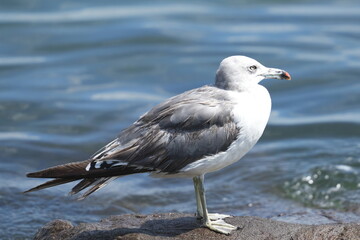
(274, 73)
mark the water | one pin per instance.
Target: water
(73, 74)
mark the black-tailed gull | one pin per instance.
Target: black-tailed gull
(196, 132)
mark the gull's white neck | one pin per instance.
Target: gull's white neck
(251, 111)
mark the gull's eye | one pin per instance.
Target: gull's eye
(252, 68)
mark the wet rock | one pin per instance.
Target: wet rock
(186, 226)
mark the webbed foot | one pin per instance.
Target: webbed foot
(220, 226)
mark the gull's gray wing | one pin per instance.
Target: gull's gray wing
(179, 131)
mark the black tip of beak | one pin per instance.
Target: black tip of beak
(285, 75)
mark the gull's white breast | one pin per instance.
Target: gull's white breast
(251, 113)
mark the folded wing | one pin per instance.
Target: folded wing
(173, 134)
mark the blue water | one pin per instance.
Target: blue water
(73, 74)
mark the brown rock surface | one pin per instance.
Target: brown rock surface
(185, 226)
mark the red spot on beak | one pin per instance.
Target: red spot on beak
(286, 75)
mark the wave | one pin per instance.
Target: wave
(313, 130)
(21, 60)
(122, 95)
(350, 117)
(102, 13)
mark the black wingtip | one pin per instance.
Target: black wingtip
(32, 174)
(30, 190)
(27, 191)
(51, 183)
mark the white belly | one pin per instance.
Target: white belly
(251, 113)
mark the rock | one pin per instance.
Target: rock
(186, 226)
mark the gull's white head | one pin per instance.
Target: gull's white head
(241, 72)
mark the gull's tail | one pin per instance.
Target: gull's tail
(75, 170)
(68, 173)
(94, 179)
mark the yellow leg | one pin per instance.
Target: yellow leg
(212, 221)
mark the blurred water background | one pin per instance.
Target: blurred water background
(74, 73)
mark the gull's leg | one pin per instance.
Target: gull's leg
(199, 209)
(199, 213)
(217, 225)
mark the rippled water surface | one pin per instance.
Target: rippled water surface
(73, 74)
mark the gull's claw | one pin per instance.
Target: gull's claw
(220, 226)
